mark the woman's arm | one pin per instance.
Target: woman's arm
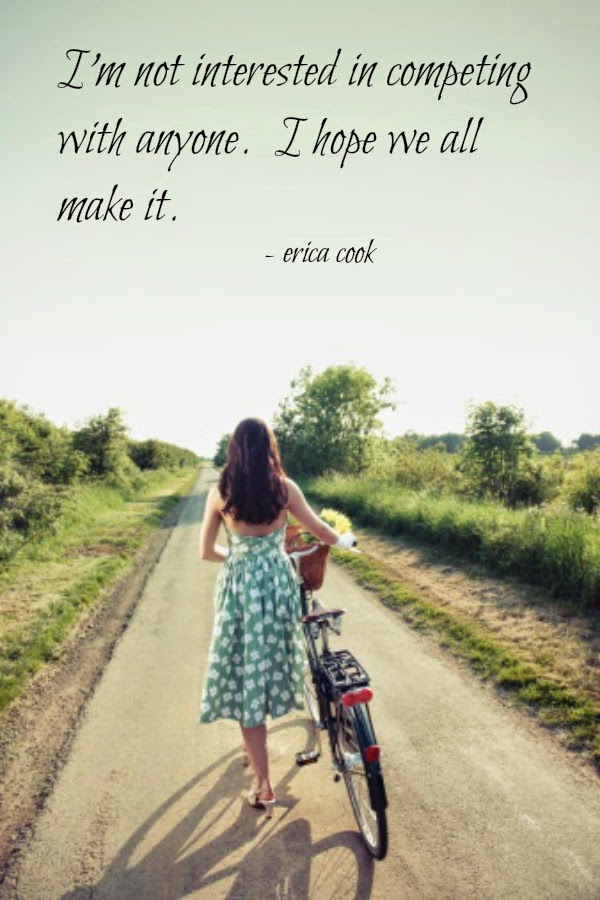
(211, 522)
(300, 509)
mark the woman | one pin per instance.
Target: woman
(256, 656)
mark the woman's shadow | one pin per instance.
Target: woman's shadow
(277, 863)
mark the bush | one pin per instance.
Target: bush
(401, 460)
(154, 454)
(103, 440)
(581, 488)
(36, 446)
(27, 507)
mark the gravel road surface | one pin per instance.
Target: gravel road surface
(150, 803)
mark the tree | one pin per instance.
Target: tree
(220, 457)
(587, 441)
(328, 419)
(497, 451)
(546, 442)
(451, 441)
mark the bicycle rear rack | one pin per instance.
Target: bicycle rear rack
(343, 670)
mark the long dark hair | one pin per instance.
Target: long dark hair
(252, 484)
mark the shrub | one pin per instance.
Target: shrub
(401, 460)
(154, 454)
(581, 488)
(27, 507)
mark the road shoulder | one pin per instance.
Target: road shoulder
(38, 730)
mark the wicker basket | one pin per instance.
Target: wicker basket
(312, 568)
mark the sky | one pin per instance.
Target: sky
(484, 280)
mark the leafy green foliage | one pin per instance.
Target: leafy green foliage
(27, 507)
(220, 457)
(328, 419)
(34, 445)
(155, 454)
(545, 442)
(497, 454)
(582, 482)
(403, 461)
(103, 440)
(450, 441)
(587, 442)
(40, 465)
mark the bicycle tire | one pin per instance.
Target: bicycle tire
(363, 780)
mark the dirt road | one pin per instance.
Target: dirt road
(149, 804)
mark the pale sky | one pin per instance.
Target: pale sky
(484, 283)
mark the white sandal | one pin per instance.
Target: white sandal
(255, 800)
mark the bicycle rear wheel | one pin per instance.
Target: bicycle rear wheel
(363, 779)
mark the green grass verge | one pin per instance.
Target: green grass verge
(556, 705)
(554, 548)
(52, 580)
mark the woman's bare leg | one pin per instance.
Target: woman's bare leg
(255, 741)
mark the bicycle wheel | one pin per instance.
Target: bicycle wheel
(363, 779)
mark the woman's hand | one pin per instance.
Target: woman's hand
(345, 541)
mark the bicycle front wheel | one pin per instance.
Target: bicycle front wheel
(363, 779)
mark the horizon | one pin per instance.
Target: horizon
(207, 453)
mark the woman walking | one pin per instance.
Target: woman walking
(255, 664)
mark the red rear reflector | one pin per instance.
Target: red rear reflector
(372, 753)
(362, 695)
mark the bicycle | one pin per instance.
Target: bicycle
(337, 693)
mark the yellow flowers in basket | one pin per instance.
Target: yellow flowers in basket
(312, 568)
(338, 521)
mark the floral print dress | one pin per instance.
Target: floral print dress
(256, 657)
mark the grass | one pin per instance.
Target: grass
(551, 547)
(46, 587)
(536, 685)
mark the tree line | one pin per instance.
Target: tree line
(331, 422)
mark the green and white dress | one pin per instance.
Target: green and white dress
(256, 655)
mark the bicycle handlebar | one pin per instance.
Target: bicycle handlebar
(300, 554)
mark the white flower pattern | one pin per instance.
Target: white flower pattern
(257, 630)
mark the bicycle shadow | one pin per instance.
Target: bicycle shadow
(248, 857)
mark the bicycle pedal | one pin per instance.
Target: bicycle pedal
(308, 757)
(337, 777)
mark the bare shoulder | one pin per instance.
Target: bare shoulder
(293, 490)
(296, 499)
(214, 498)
